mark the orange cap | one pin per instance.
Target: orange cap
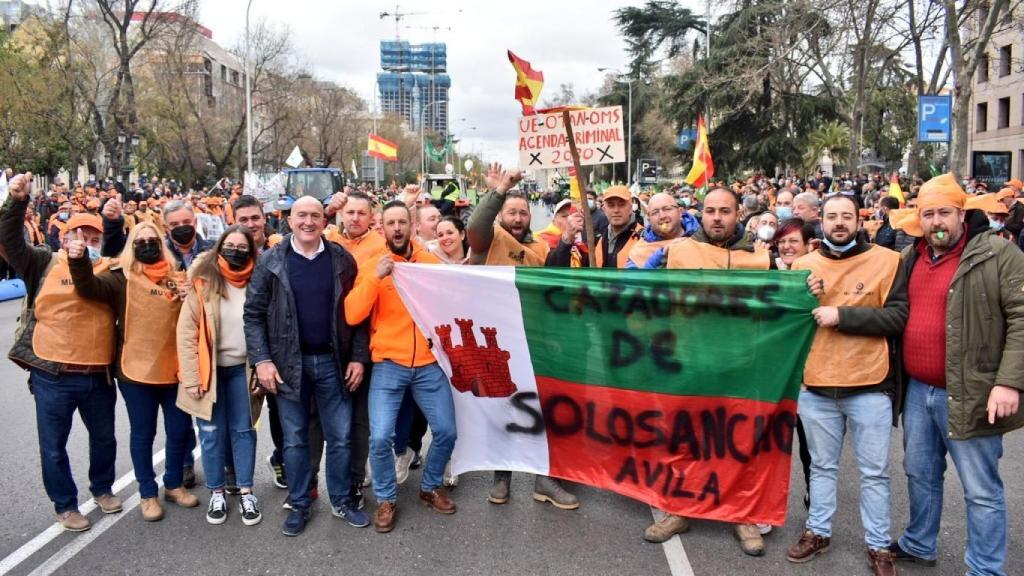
(617, 192)
(1006, 193)
(906, 219)
(91, 220)
(1016, 183)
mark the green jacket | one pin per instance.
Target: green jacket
(984, 332)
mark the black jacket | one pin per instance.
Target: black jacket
(271, 320)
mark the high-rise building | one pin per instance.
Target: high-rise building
(414, 83)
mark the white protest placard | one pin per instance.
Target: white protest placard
(600, 139)
(268, 191)
(3, 186)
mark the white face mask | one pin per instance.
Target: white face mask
(765, 233)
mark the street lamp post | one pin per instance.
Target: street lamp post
(629, 114)
(248, 95)
(423, 148)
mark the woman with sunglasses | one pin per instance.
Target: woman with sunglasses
(144, 296)
(214, 387)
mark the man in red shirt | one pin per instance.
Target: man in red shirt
(963, 348)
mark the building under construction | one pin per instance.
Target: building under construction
(414, 83)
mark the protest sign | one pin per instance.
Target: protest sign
(599, 136)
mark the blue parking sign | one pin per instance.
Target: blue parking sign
(934, 118)
(686, 139)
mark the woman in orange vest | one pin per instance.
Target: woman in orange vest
(143, 293)
(211, 357)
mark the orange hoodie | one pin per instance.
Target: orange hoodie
(367, 249)
(393, 334)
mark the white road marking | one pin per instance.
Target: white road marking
(678, 562)
(14, 559)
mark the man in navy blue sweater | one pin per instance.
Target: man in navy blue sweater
(303, 351)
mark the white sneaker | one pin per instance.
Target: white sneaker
(402, 464)
(450, 480)
(764, 528)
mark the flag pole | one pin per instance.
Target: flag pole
(588, 223)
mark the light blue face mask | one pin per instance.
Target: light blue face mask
(94, 253)
(996, 224)
(841, 249)
(784, 212)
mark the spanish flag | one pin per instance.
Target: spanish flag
(528, 83)
(894, 189)
(380, 148)
(703, 168)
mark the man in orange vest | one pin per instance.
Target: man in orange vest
(67, 344)
(718, 244)
(667, 224)
(509, 241)
(624, 231)
(850, 381)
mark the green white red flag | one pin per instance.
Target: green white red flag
(677, 388)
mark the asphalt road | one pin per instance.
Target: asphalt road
(522, 537)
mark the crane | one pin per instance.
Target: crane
(398, 15)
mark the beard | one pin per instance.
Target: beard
(840, 242)
(399, 249)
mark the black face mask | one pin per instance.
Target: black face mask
(183, 234)
(236, 259)
(148, 253)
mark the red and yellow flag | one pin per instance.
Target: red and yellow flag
(703, 168)
(895, 190)
(528, 83)
(380, 148)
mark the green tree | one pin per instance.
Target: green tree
(833, 137)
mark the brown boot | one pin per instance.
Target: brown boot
(151, 509)
(809, 546)
(882, 562)
(384, 517)
(438, 500)
(666, 528)
(73, 521)
(108, 503)
(181, 497)
(751, 541)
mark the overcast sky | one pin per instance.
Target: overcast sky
(566, 39)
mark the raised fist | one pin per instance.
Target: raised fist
(20, 186)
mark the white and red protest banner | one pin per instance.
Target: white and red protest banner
(600, 138)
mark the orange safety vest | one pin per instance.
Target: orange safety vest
(149, 354)
(507, 251)
(838, 359)
(693, 255)
(70, 329)
(35, 237)
(623, 256)
(366, 249)
(642, 250)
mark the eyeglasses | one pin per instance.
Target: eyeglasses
(139, 243)
(242, 248)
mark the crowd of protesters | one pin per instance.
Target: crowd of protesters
(204, 304)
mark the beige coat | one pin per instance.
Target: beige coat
(188, 356)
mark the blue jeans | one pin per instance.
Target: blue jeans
(320, 380)
(925, 443)
(869, 416)
(433, 394)
(144, 403)
(57, 398)
(228, 438)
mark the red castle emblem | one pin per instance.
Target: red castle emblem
(482, 371)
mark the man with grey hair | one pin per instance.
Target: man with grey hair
(807, 207)
(179, 221)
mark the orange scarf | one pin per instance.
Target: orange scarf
(156, 273)
(237, 278)
(205, 345)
